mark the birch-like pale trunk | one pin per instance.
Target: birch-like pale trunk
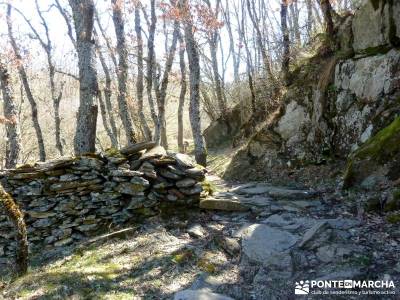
(260, 41)
(182, 94)
(122, 74)
(111, 128)
(56, 96)
(161, 94)
(27, 88)
(13, 144)
(85, 134)
(139, 79)
(285, 41)
(200, 151)
(151, 62)
(309, 24)
(327, 12)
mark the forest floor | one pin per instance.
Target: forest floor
(261, 241)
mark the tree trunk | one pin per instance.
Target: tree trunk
(85, 134)
(106, 105)
(295, 19)
(55, 96)
(286, 41)
(67, 20)
(235, 57)
(194, 76)
(122, 74)
(13, 144)
(309, 24)
(182, 94)
(139, 79)
(17, 218)
(217, 80)
(327, 12)
(25, 82)
(259, 40)
(103, 112)
(162, 90)
(150, 61)
(213, 43)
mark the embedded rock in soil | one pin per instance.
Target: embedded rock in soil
(222, 204)
(267, 245)
(199, 295)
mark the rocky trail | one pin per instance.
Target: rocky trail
(247, 241)
(286, 235)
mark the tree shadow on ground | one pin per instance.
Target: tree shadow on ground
(82, 273)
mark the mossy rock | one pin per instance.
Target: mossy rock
(113, 152)
(381, 150)
(393, 218)
(394, 201)
(373, 204)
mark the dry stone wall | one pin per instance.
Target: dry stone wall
(70, 199)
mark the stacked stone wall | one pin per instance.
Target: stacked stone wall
(70, 199)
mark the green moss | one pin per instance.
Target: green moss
(25, 166)
(371, 51)
(206, 266)
(391, 205)
(394, 202)
(345, 54)
(362, 260)
(113, 152)
(373, 204)
(208, 187)
(183, 256)
(384, 145)
(381, 148)
(145, 211)
(393, 218)
(396, 194)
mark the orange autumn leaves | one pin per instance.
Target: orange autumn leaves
(8, 121)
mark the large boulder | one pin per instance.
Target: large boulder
(376, 26)
(367, 90)
(221, 132)
(378, 160)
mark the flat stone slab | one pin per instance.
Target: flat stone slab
(154, 152)
(291, 194)
(277, 220)
(314, 231)
(239, 187)
(275, 192)
(222, 204)
(184, 160)
(199, 295)
(132, 149)
(255, 190)
(258, 201)
(267, 245)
